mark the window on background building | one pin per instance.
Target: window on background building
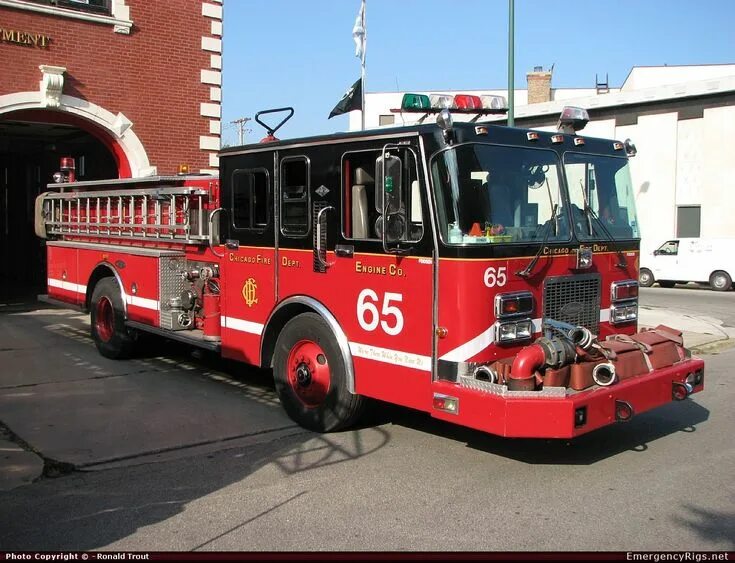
(386, 120)
(94, 6)
(688, 220)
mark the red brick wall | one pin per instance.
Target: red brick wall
(151, 75)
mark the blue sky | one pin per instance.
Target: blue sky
(300, 53)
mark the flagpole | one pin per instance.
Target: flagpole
(362, 63)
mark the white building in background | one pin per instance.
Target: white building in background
(681, 118)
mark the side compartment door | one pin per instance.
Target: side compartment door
(248, 267)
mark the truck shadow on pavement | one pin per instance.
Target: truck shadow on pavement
(231, 430)
(585, 450)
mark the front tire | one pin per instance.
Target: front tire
(720, 281)
(311, 376)
(645, 278)
(107, 315)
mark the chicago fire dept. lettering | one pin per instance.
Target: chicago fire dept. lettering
(390, 270)
(289, 263)
(249, 292)
(556, 251)
(257, 259)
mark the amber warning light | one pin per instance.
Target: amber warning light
(67, 170)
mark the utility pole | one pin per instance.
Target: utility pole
(240, 123)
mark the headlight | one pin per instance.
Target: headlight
(515, 330)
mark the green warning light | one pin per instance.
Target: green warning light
(389, 184)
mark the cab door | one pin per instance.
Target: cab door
(248, 267)
(666, 261)
(381, 298)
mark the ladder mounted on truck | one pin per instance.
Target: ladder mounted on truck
(167, 211)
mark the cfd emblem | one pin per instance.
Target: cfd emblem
(249, 292)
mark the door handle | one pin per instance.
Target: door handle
(344, 250)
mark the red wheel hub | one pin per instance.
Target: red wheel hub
(104, 319)
(308, 372)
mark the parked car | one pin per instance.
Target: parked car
(701, 260)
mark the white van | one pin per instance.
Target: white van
(683, 260)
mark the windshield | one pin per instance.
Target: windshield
(493, 194)
(602, 185)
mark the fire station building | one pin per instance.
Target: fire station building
(128, 88)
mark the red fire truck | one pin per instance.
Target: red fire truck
(484, 274)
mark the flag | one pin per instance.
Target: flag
(359, 33)
(352, 100)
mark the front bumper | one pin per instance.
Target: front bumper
(573, 415)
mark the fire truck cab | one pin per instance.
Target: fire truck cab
(486, 275)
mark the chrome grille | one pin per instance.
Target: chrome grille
(573, 299)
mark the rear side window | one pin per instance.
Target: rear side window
(250, 199)
(295, 185)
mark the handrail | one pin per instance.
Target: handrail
(211, 231)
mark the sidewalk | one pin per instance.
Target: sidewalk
(701, 333)
(88, 410)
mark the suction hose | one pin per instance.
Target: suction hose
(552, 352)
(486, 373)
(604, 374)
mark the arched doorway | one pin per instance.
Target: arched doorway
(31, 144)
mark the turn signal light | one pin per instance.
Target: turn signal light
(446, 403)
(512, 304)
(627, 289)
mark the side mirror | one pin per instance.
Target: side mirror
(395, 228)
(630, 149)
(656, 252)
(389, 186)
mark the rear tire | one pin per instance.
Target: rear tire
(109, 332)
(311, 376)
(666, 283)
(720, 281)
(645, 278)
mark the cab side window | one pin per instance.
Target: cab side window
(250, 199)
(361, 214)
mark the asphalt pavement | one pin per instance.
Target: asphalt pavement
(65, 409)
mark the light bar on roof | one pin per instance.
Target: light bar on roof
(494, 102)
(415, 101)
(465, 101)
(442, 101)
(572, 119)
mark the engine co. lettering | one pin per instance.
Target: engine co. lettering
(391, 270)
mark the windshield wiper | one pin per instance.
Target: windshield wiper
(552, 225)
(590, 214)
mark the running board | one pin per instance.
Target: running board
(179, 336)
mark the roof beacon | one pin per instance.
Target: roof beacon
(572, 120)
